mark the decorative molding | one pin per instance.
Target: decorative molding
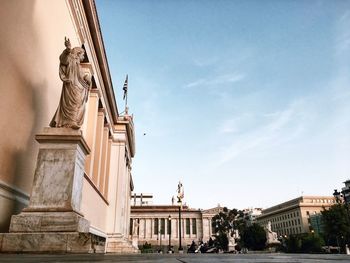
(97, 232)
(95, 188)
(13, 193)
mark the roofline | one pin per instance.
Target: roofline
(97, 39)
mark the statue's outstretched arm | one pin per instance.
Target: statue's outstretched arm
(67, 43)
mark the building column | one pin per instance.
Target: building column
(142, 229)
(89, 131)
(96, 171)
(120, 193)
(112, 186)
(104, 160)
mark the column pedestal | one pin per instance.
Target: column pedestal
(53, 222)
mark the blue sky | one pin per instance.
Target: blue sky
(245, 102)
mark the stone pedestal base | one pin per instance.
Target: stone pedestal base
(231, 248)
(52, 221)
(118, 244)
(49, 242)
(135, 241)
(49, 222)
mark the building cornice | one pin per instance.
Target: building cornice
(127, 121)
(97, 39)
(295, 203)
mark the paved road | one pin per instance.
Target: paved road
(175, 258)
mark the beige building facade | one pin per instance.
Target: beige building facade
(293, 216)
(33, 35)
(154, 226)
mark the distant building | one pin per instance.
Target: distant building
(141, 199)
(316, 223)
(346, 191)
(293, 216)
(251, 214)
(154, 225)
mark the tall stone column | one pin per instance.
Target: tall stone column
(53, 222)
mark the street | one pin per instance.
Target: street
(174, 258)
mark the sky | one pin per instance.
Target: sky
(245, 102)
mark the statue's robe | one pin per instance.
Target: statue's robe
(71, 109)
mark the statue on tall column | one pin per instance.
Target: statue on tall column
(180, 192)
(75, 89)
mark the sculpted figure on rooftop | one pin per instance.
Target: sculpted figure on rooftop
(75, 89)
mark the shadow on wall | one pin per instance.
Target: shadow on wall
(23, 107)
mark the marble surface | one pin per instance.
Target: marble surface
(49, 222)
(57, 242)
(59, 173)
(52, 222)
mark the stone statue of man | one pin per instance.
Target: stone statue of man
(180, 192)
(75, 89)
(135, 227)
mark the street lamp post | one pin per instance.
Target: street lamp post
(169, 231)
(180, 196)
(180, 247)
(337, 195)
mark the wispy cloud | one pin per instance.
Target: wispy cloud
(218, 80)
(343, 33)
(277, 128)
(205, 61)
(233, 125)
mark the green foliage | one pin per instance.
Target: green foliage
(146, 248)
(221, 241)
(293, 244)
(304, 243)
(254, 237)
(312, 243)
(223, 223)
(336, 225)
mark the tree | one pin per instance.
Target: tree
(304, 243)
(293, 244)
(254, 237)
(311, 243)
(336, 225)
(223, 223)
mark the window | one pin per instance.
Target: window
(188, 226)
(156, 226)
(194, 226)
(162, 226)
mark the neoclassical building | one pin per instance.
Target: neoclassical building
(158, 223)
(33, 34)
(294, 216)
